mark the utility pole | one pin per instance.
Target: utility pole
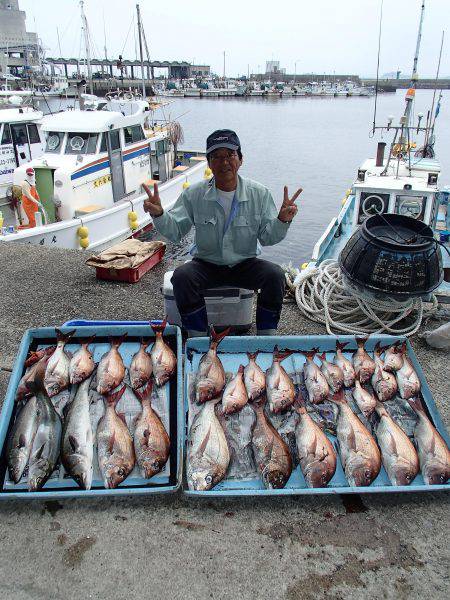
(84, 27)
(144, 93)
(224, 64)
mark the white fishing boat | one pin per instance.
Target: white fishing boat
(21, 140)
(405, 182)
(90, 176)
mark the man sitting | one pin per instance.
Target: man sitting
(230, 214)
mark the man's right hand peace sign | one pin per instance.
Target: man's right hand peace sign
(152, 204)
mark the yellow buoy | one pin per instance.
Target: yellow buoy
(208, 173)
(185, 185)
(349, 191)
(134, 224)
(344, 200)
(132, 216)
(304, 265)
(84, 242)
(83, 232)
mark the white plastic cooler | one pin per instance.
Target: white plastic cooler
(226, 306)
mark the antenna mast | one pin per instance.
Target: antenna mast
(139, 24)
(85, 30)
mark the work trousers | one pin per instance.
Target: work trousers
(194, 277)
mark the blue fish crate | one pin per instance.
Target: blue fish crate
(61, 485)
(232, 352)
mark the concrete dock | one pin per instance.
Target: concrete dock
(170, 547)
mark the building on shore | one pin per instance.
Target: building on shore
(20, 46)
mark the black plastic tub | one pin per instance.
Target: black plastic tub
(393, 255)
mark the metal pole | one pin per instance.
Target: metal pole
(224, 64)
(86, 46)
(144, 93)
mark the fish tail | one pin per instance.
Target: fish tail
(241, 369)
(280, 355)
(114, 397)
(145, 343)
(117, 340)
(322, 356)
(159, 327)
(216, 338)
(341, 345)
(310, 354)
(361, 340)
(89, 340)
(144, 393)
(380, 409)
(416, 405)
(252, 355)
(63, 337)
(259, 402)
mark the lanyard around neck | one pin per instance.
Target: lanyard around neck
(233, 211)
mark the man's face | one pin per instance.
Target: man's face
(225, 164)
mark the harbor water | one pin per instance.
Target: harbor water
(314, 143)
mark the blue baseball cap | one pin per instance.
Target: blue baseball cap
(222, 138)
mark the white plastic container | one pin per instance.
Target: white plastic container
(226, 306)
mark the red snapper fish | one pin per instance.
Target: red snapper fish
(254, 378)
(384, 383)
(56, 377)
(393, 359)
(333, 373)
(35, 373)
(141, 367)
(315, 381)
(345, 364)
(359, 452)
(234, 396)
(407, 378)
(363, 363)
(111, 370)
(434, 455)
(279, 386)
(364, 399)
(210, 375)
(151, 442)
(164, 361)
(315, 451)
(82, 363)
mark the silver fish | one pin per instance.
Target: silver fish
(46, 444)
(359, 452)
(363, 363)
(364, 399)
(82, 364)
(57, 372)
(434, 455)
(234, 396)
(254, 378)
(393, 359)
(111, 370)
(210, 379)
(397, 451)
(271, 452)
(208, 453)
(141, 367)
(333, 373)
(151, 442)
(21, 439)
(115, 448)
(315, 381)
(77, 446)
(279, 386)
(37, 366)
(407, 378)
(315, 451)
(164, 361)
(346, 365)
(384, 383)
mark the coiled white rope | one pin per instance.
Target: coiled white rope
(322, 296)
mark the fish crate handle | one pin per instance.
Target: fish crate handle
(86, 323)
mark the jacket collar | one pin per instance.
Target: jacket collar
(211, 192)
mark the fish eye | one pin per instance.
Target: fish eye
(121, 472)
(155, 464)
(408, 477)
(442, 477)
(208, 479)
(367, 474)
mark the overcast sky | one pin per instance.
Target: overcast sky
(321, 36)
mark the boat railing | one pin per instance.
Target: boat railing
(335, 227)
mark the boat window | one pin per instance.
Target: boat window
(114, 139)
(103, 143)
(81, 143)
(33, 134)
(19, 134)
(6, 137)
(411, 206)
(54, 141)
(133, 134)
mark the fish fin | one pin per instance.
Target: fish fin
(313, 446)
(38, 454)
(341, 345)
(269, 448)
(63, 337)
(322, 356)
(378, 350)
(416, 405)
(146, 435)
(351, 440)
(159, 327)
(252, 355)
(73, 442)
(216, 338)
(122, 418)
(280, 355)
(113, 398)
(392, 445)
(145, 392)
(22, 441)
(204, 443)
(111, 441)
